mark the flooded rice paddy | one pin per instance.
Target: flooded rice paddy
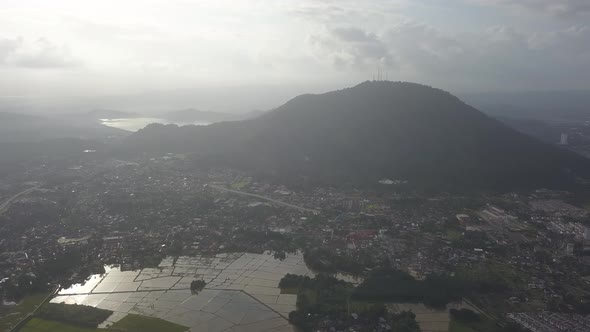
(242, 292)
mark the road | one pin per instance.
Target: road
(300, 208)
(4, 206)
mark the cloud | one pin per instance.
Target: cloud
(135, 45)
(37, 54)
(495, 57)
(352, 48)
(559, 8)
(8, 47)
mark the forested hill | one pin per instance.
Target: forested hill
(33, 128)
(375, 130)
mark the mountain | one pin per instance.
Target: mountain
(548, 106)
(16, 127)
(250, 115)
(192, 115)
(375, 130)
(543, 131)
(195, 116)
(111, 114)
(30, 138)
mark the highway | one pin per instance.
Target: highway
(4, 206)
(300, 208)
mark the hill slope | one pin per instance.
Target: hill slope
(31, 128)
(193, 115)
(376, 129)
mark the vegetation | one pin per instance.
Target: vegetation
(326, 299)
(278, 243)
(242, 183)
(435, 291)
(316, 298)
(361, 134)
(78, 315)
(197, 286)
(137, 323)
(44, 325)
(405, 322)
(325, 260)
(129, 323)
(464, 315)
(11, 316)
(16, 289)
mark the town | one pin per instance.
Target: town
(63, 221)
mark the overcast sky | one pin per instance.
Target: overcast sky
(73, 48)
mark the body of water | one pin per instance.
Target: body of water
(135, 124)
(242, 292)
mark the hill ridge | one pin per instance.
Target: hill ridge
(374, 130)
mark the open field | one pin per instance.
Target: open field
(241, 184)
(43, 325)
(430, 320)
(13, 315)
(131, 323)
(137, 323)
(485, 325)
(455, 326)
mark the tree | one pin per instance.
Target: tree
(405, 321)
(197, 286)
(465, 315)
(280, 255)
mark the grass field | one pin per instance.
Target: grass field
(429, 319)
(130, 323)
(455, 326)
(485, 325)
(453, 235)
(137, 323)
(241, 184)
(12, 316)
(293, 291)
(43, 325)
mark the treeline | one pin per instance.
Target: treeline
(57, 269)
(321, 294)
(323, 303)
(79, 315)
(324, 260)
(319, 282)
(317, 298)
(391, 285)
(278, 243)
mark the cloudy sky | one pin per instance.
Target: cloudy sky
(69, 48)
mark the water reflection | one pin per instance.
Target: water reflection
(88, 285)
(134, 124)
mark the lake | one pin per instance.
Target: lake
(135, 124)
